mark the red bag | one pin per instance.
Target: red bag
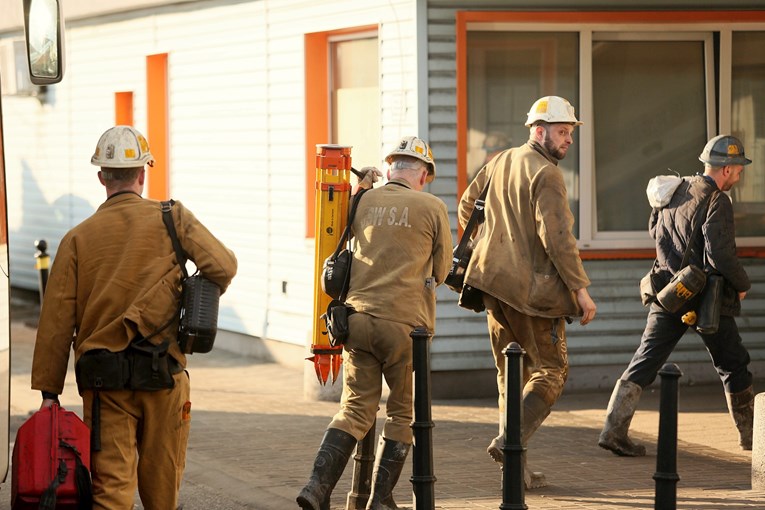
(51, 462)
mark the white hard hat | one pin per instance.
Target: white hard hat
(415, 148)
(122, 147)
(552, 109)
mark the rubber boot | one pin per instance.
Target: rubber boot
(388, 465)
(495, 447)
(334, 451)
(535, 410)
(621, 409)
(741, 406)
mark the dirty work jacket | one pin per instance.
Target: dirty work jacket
(714, 248)
(115, 276)
(526, 256)
(403, 251)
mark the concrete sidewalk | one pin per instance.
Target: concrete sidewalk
(254, 438)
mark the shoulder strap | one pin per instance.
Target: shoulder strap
(699, 217)
(476, 218)
(346, 235)
(167, 217)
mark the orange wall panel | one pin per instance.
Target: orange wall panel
(316, 115)
(123, 108)
(158, 181)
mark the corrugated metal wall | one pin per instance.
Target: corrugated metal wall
(461, 342)
(237, 116)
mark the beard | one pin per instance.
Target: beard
(555, 150)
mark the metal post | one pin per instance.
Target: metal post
(42, 263)
(512, 474)
(666, 457)
(361, 483)
(422, 467)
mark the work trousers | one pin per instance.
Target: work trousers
(545, 364)
(662, 332)
(376, 348)
(143, 444)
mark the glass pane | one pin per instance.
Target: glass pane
(650, 119)
(356, 98)
(748, 102)
(43, 39)
(507, 72)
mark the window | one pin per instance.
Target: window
(650, 117)
(536, 64)
(355, 97)
(651, 88)
(342, 99)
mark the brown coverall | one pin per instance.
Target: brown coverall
(527, 264)
(115, 277)
(403, 252)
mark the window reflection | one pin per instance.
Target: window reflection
(43, 38)
(650, 108)
(507, 72)
(748, 100)
(356, 98)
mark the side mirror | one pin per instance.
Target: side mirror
(44, 28)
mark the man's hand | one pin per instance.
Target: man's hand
(369, 176)
(47, 402)
(587, 305)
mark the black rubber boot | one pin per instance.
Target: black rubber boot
(621, 409)
(335, 449)
(391, 456)
(741, 406)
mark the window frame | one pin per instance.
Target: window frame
(318, 103)
(595, 244)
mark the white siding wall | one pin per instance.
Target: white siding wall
(237, 123)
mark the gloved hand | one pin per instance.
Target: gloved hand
(370, 175)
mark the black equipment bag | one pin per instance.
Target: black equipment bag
(678, 295)
(336, 320)
(455, 280)
(198, 322)
(710, 304)
(336, 273)
(470, 297)
(335, 281)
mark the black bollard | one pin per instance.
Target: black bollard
(361, 483)
(422, 457)
(666, 456)
(42, 263)
(512, 472)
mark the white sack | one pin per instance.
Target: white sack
(661, 188)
